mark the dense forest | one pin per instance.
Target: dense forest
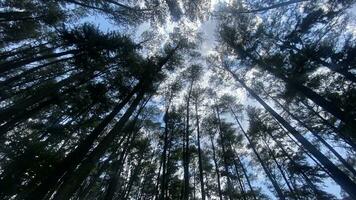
(178, 99)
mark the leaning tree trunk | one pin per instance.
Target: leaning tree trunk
(321, 139)
(291, 189)
(14, 65)
(274, 6)
(69, 186)
(268, 173)
(247, 178)
(340, 177)
(242, 190)
(117, 165)
(340, 133)
(306, 178)
(309, 93)
(72, 160)
(237, 163)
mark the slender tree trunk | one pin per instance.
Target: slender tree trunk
(8, 81)
(168, 164)
(292, 191)
(346, 138)
(117, 166)
(164, 152)
(216, 167)
(305, 151)
(157, 181)
(242, 190)
(340, 177)
(13, 15)
(186, 191)
(268, 173)
(26, 50)
(201, 175)
(236, 164)
(338, 69)
(21, 106)
(309, 93)
(223, 143)
(70, 185)
(306, 178)
(341, 159)
(13, 65)
(278, 5)
(73, 158)
(247, 178)
(136, 172)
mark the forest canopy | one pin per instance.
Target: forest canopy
(178, 99)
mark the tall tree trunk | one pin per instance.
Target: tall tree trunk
(201, 175)
(309, 93)
(268, 173)
(164, 152)
(306, 178)
(277, 5)
(223, 143)
(242, 190)
(216, 167)
(246, 176)
(14, 65)
(136, 172)
(69, 186)
(168, 164)
(87, 188)
(24, 50)
(7, 82)
(338, 69)
(186, 191)
(340, 177)
(328, 146)
(15, 111)
(117, 165)
(157, 181)
(305, 151)
(236, 164)
(340, 133)
(73, 159)
(271, 153)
